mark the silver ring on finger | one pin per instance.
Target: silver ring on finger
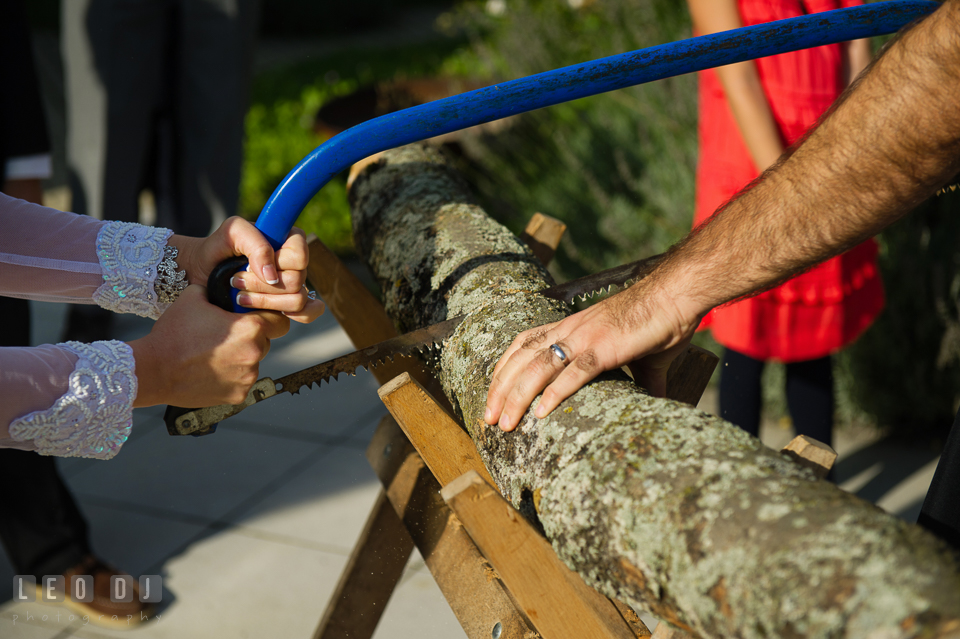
(556, 350)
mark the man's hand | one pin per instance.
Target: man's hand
(642, 326)
(274, 281)
(199, 355)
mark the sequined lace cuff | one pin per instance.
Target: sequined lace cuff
(93, 418)
(129, 256)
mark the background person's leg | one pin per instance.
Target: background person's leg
(114, 58)
(41, 527)
(810, 398)
(740, 394)
(940, 513)
(212, 93)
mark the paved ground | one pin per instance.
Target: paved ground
(251, 527)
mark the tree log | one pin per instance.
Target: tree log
(653, 502)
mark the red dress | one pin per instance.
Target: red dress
(826, 308)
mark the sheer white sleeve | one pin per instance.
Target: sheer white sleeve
(92, 418)
(48, 255)
(73, 399)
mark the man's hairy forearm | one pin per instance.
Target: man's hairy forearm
(892, 141)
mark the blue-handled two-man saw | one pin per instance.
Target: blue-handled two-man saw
(500, 101)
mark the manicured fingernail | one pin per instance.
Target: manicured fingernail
(237, 283)
(270, 274)
(504, 422)
(487, 415)
(243, 299)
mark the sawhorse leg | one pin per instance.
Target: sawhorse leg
(360, 593)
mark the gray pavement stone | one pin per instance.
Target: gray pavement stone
(233, 585)
(25, 621)
(326, 504)
(206, 476)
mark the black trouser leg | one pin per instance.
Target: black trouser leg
(810, 398)
(14, 322)
(740, 397)
(941, 508)
(41, 527)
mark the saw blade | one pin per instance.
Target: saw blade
(618, 277)
(418, 342)
(203, 420)
(432, 337)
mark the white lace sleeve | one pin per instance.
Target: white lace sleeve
(93, 418)
(129, 256)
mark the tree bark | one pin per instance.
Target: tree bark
(663, 506)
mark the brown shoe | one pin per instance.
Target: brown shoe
(102, 611)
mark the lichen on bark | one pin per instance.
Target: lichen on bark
(663, 506)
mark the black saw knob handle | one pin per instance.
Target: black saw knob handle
(219, 293)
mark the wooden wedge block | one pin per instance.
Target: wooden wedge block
(470, 585)
(555, 598)
(543, 234)
(689, 375)
(812, 454)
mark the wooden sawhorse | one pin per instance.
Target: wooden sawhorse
(439, 497)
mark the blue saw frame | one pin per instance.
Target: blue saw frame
(571, 83)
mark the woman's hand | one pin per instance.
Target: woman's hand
(274, 280)
(642, 327)
(199, 355)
